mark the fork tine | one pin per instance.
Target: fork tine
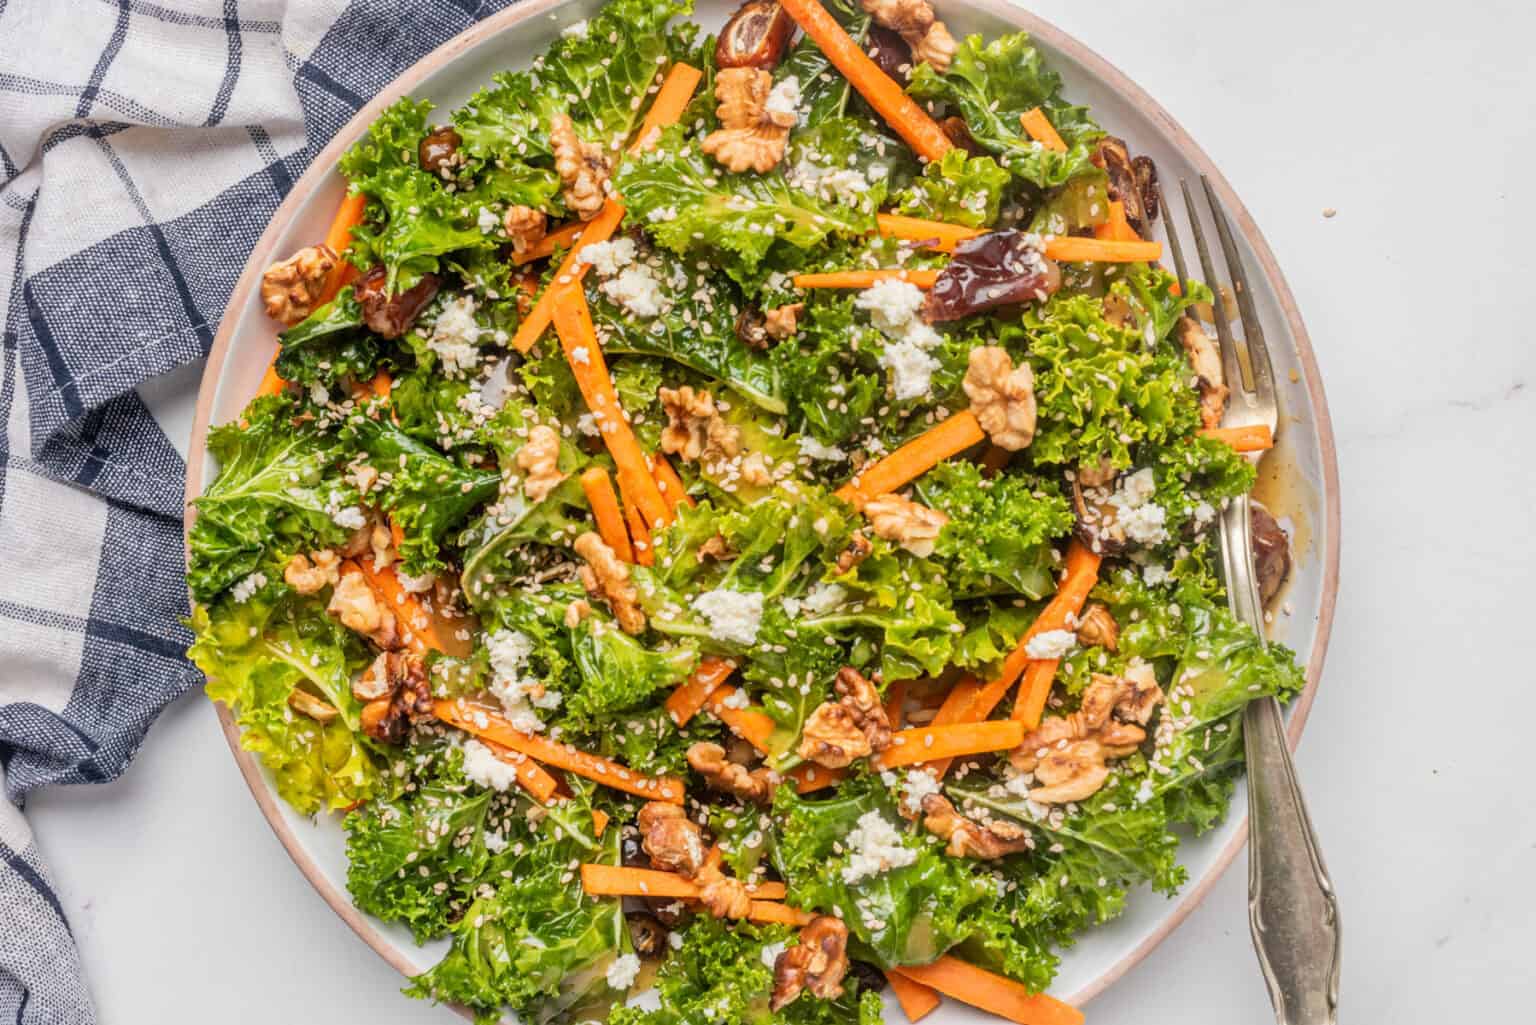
(1229, 361)
(1253, 331)
(1175, 246)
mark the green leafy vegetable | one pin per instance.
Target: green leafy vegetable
(959, 189)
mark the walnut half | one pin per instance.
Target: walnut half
(605, 576)
(852, 727)
(914, 21)
(755, 785)
(538, 459)
(967, 837)
(291, 289)
(1068, 753)
(817, 963)
(915, 527)
(1002, 396)
(583, 168)
(752, 133)
(360, 610)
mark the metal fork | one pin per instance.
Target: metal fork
(1293, 912)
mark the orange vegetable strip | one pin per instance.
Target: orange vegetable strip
(599, 821)
(915, 458)
(623, 881)
(957, 704)
(689, 696)
(895, 704)
(1035, 690)
(1117, 228)
(270, 384)
(530, 774)
(809, 777)
(339, 237)
(943, 236)
(670, 484)
(1253, 438)
(1071, 249)
(1039, 128)
(489, 725)
(981, 988)
(598, 487)
(381, 384)
(416, 623)
(562, 237)
(645, 548)
(779, 914)
(748, 723)
(917, 1001)
(925, 743)
(671, 101)
(864, 278)
(890, 101)
(573, 323)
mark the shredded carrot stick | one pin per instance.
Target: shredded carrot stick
(670, 484)
(573, 323)
(645, 548)
(748, 723)
(270, 384)
(925, 743)
(917, 1001)
(689, 697)
(778, 914)
(895, 702)
(1117, 228)
(672, 99)
(381, 384)
(915, 458)
(1253, 438)
(562, 237)
(1039, 128)
(981, 988)
(890, 101)
(810, 776)
(623, 881)
(600, 822)
(530, 775)
(339, 237)
(598, 487)
(490, 725)
(1071, 249)
(939, 234)
(956, 706)
(418, 627)
(1035, 690)
(864, 278)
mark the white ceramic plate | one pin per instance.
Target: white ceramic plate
(1299, 480)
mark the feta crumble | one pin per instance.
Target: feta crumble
(484, 768)
(892, 304)
(487, 221)
(734, 616)
(784, 98)
(351, 518)
(918, 785)
(455, 337)
(911, 369)
(623, 972)
(737, 699)
(1136, 515)
(416, 585)
(243, 589)
(823, 598)
(809, 446)
(1051, 644)
(575, 30)
(637, 290)
(876, 847)
(608, 258)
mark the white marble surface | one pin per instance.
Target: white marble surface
(1412, 121)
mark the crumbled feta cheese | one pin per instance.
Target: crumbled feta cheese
(575, 30)
(876, 847)
(734, 616)
(1155, 574)
(892, 304)
(662, 213)
(623, 972)
(351, 518)
(494, 842)
(1050, 644)
(416, 585)
(243, 589)
(770, 953)
(675, 939)
(736, 699)
(509, 651)
(487, 221)
(1205, 512)
(911, 369)
(918, 785)
(809, 446)
(784, 98)
(483, 767)
(637, 290)
(1136, 516)
(608, 258)
(1139, 486)
(586, 423)
(823, 598)
(455, 337)
(318, 394)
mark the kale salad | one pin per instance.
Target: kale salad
(728, 527)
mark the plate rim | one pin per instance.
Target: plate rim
(317, 175)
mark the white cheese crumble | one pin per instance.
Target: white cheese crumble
(586, 423)
(483, 767)
(911, 369)
(662, 213)
(351, 518)
(737, 699)
(243, 589)
(734, 616)
(876, 847)
(455, 337)
(823, 598)
(494, 842)
(1051, 644)
(918, 785)
(487, 221)
(1154, 574)
(416, 585)
(575, 30)
(623, 972)
(809, 446)
(892, 304)
(637, 290)
(1136, 515)
(784, 98)
(608, 258)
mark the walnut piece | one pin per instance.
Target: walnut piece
(308, 574)
(1068, 753)
(583, 168)
(969, 838)
(817, 963)
(1097, 628)
(782, 322)
(525, 226)
(913, 20)
(751, 136)
(716, 549)
(721, 895)
(606, 576)
(695, 430)
(291, 289)
(755, 785)
(397, 693)
(852, 727)
(575, 612)
(674, 843)
(301, 700)
(914, 527)
(1002, 396)
(359, 609)
(537, 459)
(857, 551)
(1205, 360)
(1101, 476)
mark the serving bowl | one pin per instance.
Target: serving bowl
(1298, 479)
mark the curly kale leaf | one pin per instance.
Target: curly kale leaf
(824, 92)
(619, 673)
(958, 188)
(329, 345)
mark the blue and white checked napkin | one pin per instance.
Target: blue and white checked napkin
(143, 147)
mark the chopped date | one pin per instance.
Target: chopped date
(756, 36)
(392, 315)
(1000, 268)
(891, 52)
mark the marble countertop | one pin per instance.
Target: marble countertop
(1412, 123)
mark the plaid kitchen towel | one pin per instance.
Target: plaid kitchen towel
(143, 147)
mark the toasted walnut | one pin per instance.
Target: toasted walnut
(857, 551)
(575, 612)
(605, 576)
(755, 785)
(1100, 476)
(913, 20)
(754, 470)
(721, 895)
(359, 609)
(308, 574)
(695, 430)
(291, 289)
(1002, 396)
(969, 838)
(752, 134)
(782, 322)
(852, 727)
(674, 843)
(525, 226)
(396, 687)
(1068, 753)
(716, 549)
(1072, 772)
(915, 527)
(537, 459)
(382, 542)
(1205, 360)
(1097, 628)
(817, 963)
(582, 166)
(316, 708)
